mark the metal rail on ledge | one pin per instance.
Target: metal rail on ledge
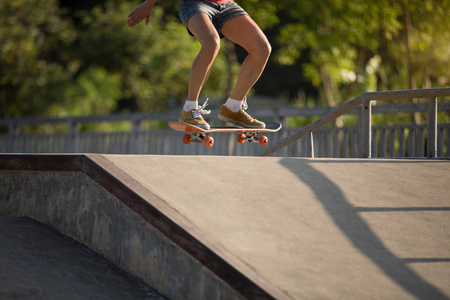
(365, 100)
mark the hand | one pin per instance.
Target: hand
(143, 11)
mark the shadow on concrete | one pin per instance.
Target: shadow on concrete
(358, 232)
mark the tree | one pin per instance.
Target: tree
(419, 54)
(33, 44)
(82, 59)
(357, 46)
(147, 65)
(59, 62)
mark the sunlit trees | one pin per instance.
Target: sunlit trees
(34, 39)
(49, 66)
(357, 46)
(82, 59)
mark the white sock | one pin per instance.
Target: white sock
(233, 105)
(190, 104)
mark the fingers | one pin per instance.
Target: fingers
(140, 13)
(133, 21)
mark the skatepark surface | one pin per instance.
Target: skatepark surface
(241, 227)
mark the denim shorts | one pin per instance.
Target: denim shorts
(219, 14)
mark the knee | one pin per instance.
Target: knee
(263, 50)
(211, 45)
(266, 49)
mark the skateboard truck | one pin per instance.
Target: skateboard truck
(252, 137)
(200, 137)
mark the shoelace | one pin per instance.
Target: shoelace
(244, 104)
(201, 110)
(244, 108)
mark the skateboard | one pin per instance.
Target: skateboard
(199, 135)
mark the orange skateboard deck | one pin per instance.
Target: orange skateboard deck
(199, 135)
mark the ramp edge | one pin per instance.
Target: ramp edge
(90, 164)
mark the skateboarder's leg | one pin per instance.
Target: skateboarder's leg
(202, 28)
(245, 32)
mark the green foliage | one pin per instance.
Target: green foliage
(357, 46)
(153, 61)
(83, 59)
(91, 92)
(51, 67)
(142, 56)
(33, 42)
(264, 12)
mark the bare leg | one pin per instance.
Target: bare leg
(245, 32)
(201, 27)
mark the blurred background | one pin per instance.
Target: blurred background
(76, 58)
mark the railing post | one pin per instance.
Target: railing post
(309, 145)
(134, 142)
(366, 129)
(432, 127)
(71, 146)
(12, 145)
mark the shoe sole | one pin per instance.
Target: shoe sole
(225, 119)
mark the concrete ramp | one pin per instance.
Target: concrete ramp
(242, 227)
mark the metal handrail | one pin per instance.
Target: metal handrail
(365, 100)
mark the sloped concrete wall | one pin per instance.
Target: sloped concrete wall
(78, 207)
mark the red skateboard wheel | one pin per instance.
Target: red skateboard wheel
(187, 139)
(263, 140)
(241, 138)
(209, 141)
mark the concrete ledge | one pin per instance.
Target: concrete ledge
(76, 196)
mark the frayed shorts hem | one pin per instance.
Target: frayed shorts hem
(219, 14)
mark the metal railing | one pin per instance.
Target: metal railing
(381, 141)
(365, 100)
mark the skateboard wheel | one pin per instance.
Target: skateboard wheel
(263, 140)
(187, 139)
(209, 141)
(241, 138)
